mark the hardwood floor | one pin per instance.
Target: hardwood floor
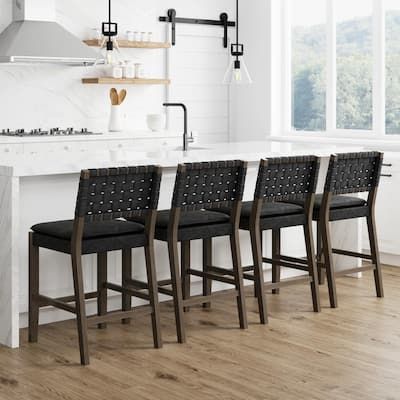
(352, 352)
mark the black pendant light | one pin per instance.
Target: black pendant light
(109, 30)
(237, 72)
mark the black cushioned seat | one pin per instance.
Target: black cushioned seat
(342, 207)
(192, 218)
(273, 215)
(193, 224)
(97, 236)
(92, 230)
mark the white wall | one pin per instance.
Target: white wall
(48, 95)
(257, 107)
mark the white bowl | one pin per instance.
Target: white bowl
(156, 122)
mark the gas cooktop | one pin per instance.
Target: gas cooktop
(50, 132)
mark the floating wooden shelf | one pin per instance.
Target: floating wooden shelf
(132, 45)
(124, 81)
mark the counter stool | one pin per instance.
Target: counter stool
(104, 197)
(348, 173)
(280, 180)
(200, 187)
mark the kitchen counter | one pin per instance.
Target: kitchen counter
(389, 143)
(42, 187)
(164, 155)
(139, 134)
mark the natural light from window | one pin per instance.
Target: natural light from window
(336, 57)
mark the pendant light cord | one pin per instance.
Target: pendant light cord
(237, 21)
(237, 27)
(109, 18)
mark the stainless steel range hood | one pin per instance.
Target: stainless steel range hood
(35, 37)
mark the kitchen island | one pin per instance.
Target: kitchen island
(37, 188)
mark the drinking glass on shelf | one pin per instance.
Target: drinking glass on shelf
(95, 34)
(149, 36)
(136, 36)
(143, 36)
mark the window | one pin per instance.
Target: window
(392, 67)
(339, 82)
(354, 65)
(308, 66)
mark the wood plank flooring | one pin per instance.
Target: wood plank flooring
(352, 352)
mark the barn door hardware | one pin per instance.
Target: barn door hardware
(173, 20)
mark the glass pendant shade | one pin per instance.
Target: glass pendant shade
(237, 73)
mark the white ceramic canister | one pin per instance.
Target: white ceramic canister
(117, 71)
(115, 124)
(129, 70)
(139, 71)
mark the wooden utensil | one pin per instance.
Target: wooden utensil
(114, 97)
(121, 96)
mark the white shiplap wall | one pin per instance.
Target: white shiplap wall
(196, 66)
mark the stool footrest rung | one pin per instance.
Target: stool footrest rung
(287, 264)
(221, 271)
(118, 315)
(45, 301)
(210, 275)
(352, 254)
(129, 291)
(196, 300)
(165, 282)
(62, 302)
(295, 260)
(137, 284)
(167, 292)
(248, 277)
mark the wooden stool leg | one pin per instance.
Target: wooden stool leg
(262, 263)
(328, 261)
(177, 290)
(320, 258)
(207, 261)
(373, 241)
(33, 291)
(312, 265)
(255, 236)
(185, 265)
(80, 307)
(126, 276)
(153, 293)
(276, 252)
(237, 268)
(101, 286)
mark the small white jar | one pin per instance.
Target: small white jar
(117, 71)
(130, 36)
(139, 71)
(129, 70)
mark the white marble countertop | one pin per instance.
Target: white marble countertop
(125, 135)
(389, 142)
(167, 157)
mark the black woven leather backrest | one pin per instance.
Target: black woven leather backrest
(209, 185)
(110, 193)
(287, 178)
(354, 172)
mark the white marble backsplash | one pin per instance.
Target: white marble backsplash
(52, 95)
